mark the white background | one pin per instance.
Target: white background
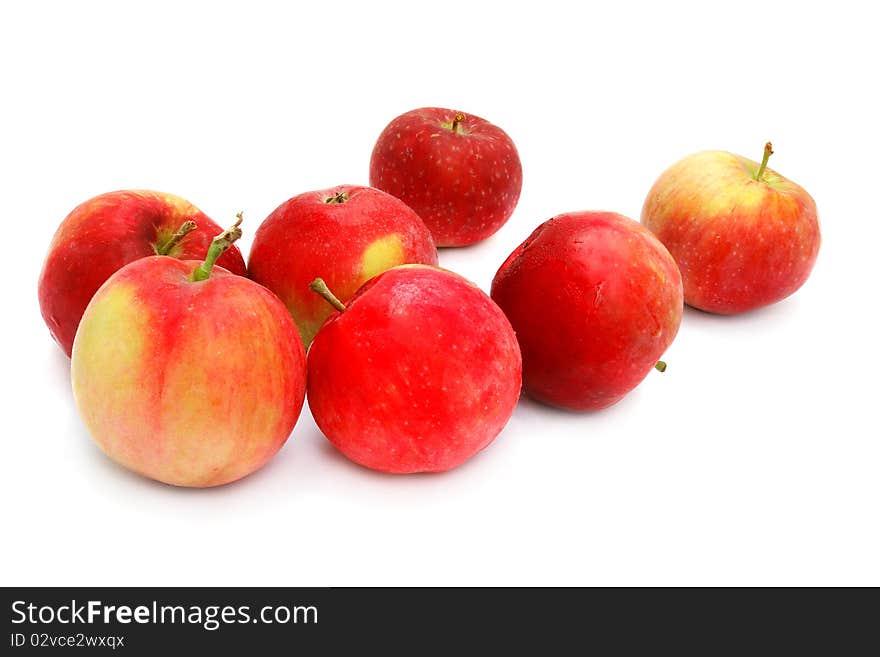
(752, 460)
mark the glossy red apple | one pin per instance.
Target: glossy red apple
(346, 234)
(186, 374)
(416, 374)
(106, 232)
(460, 173)
(595, 299)
(743, 235)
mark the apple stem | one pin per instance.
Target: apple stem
(660, 366)
(318, 285)
(220, 243)
(768, 151)
(185, 228)
(459, 117)
(338, 197)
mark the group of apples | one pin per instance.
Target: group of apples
(191, 368)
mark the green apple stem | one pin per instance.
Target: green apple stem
(459, 117)
(185, 228)
(338, 197)
(222, 242)
(318, 285)
(660, 366)
(768, 151)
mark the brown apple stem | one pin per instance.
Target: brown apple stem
(459, 117)
(660, 366)
(220, 243)
(318, 285)
(768, 151)
(338, 197)
(185, 228)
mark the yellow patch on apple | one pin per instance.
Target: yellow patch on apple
(382, 254)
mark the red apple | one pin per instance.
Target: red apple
(742, 235)
(188, 375)
(460, 173)
(595, 300)
(346, 234)
(416, 374)
(109, 231)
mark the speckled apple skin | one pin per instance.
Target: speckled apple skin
(189, 383)
(595, 299)
(464, 184)
(107, 232)
(740, 243)
(346, 244)
(419, 373)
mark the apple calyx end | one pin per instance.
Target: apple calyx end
(320, 287)
(660, 366)
(219, 244)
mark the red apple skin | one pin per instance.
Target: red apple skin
(740, 243)
(463, 183)
(595, 299)
(189, 383)
(420, 372)
(107, 232)
(345, 243)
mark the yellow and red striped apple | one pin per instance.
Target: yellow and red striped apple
(743, 235)
(186, 374)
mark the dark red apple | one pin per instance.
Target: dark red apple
(106, 232)
(460, 173)
(420, 371)
(346, 234)
(743, 235)
(595, 299)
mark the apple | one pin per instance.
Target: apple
(185, 373)
(106, 232)
(347, 234)
(460, 173)
(595, 299)
(743, 236)
(417, 373)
